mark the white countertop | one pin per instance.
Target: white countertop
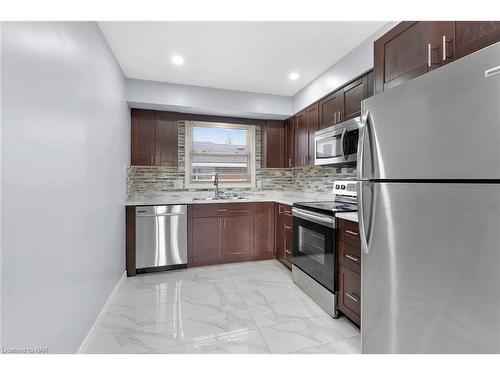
(283, 197)
(351, 216)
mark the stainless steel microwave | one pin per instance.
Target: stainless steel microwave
(338, 144)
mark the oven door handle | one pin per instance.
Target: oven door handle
(325, 220)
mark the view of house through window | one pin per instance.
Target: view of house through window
(226, 149)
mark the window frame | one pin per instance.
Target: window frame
(251, 146)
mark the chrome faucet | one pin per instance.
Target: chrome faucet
(216, 185)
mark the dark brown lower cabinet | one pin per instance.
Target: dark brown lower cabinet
(205, 236)
(350, 293)
(349, 270)
(264, 230)
(230, 232)
(237, 237)
(284, 234)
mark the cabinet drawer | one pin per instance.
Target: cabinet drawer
(350, 293)
(220, 209)
(285, 209)
(349, 233)
(349, 256)
(286, 221)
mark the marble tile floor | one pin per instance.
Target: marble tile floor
(244, 308)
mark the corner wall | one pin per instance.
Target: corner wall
(64, 155)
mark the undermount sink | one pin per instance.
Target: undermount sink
(221, 198)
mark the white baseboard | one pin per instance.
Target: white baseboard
(103, 310)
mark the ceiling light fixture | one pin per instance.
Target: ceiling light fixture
(178, 59)
(293, 76)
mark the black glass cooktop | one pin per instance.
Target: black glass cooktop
(329, 207)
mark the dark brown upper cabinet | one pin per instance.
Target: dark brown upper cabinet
(331, 109)
(143, 137)
(273, 144)
(301, 139)
(290, 142)
(312, 120)
(354, 94)
(154, 138)
(471, 36)
(411, 49)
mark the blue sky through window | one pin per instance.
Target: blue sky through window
(220, 135)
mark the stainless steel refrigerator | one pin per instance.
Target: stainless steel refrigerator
(429, 211)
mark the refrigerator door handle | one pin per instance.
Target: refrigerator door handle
(361, 219)
(364, 233)
(361, 144)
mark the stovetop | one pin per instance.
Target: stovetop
(328, 207)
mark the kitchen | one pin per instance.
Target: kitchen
(310, 217)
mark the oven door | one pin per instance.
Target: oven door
(314, 246)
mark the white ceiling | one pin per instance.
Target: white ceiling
(246, 56)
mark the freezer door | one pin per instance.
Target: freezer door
(431, 270)
(442, 125)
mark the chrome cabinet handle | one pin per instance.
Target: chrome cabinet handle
(445, 53)
(429, 55)
(224, 222)
(444, 47)
(288, 227)
(351, 232)
(354, 259)
(335, 118)
(340, 116)
(222, 210)
(354, 298)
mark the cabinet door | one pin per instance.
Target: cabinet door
(471, 36)
(301, 139)
(264, 230)
(143, 141)
(290, 143)
(205, 241)
(312, 120)
(350, 293)
(410, 49)
(331, 110)
(166, 139)
(354, 93)
(237, 237)
(273, 144)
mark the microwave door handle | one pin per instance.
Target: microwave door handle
(342, 142)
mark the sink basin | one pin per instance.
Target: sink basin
(232, 198)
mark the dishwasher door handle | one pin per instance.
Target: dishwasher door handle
(139, 214)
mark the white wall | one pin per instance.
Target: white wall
(204, 100)
(355, 63)
(64, 151)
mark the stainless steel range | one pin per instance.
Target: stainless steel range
(314, 253)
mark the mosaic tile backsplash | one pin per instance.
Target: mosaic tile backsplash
(146, 180)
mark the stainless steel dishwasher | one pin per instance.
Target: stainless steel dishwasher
(161, 238)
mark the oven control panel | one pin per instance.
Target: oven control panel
(345, 187)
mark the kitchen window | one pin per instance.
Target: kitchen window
(226, 149)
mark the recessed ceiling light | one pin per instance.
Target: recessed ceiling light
(178, 59)
(293, 76)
